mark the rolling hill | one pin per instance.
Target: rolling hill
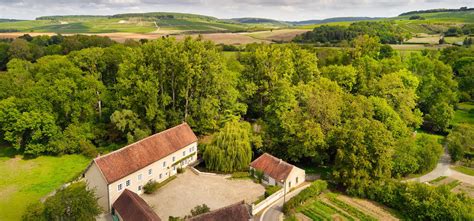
(434, 21)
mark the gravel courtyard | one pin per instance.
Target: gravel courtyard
(188, 190)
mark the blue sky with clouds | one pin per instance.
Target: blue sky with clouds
(290, 10)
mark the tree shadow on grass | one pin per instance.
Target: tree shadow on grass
(7, 151)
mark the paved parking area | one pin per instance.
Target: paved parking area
(188, 190)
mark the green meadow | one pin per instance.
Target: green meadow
(24, 181)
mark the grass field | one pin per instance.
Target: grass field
(464, 114)
(27, 180)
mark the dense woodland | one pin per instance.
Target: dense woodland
(355, 110)
(387, 32)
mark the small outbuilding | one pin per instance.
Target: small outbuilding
(277, 172)
(130, 207)
(235, 212)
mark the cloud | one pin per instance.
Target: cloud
(276, 9)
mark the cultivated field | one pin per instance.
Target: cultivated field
(281, 35)
(331, 206)
(24, 181)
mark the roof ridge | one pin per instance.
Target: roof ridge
(139, 141)
(279, 160)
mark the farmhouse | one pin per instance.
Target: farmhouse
(130, 206)
(154, 158)
(234, 212)
(278, 172)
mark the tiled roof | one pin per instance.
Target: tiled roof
(234, 212)
(272, 166)
(136, 156)
(132, 207)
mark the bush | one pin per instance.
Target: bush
(180, 170)
(270, 190)
(200, 209)
(239, 175)
(150, 187)
(313, 190)
(74, 202)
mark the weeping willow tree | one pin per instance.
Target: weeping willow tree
(231, 148)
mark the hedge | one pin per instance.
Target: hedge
(313, 190)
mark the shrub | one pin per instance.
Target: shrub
(259, 175)
(74, 202)
(269, 190)
(238, 175)
(180, 170)
(200, 209)
(313, 190)
(151, 186)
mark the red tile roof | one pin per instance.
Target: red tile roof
(272, 166)
(136, 156)
(234, 212)
(132, 207)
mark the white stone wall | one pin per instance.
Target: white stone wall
(95, 180)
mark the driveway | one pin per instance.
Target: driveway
(188, 190)
(443, 169)
(274, 211)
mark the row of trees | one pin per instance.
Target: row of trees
(31, 48)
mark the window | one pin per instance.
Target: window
(289, 184)
(173, 159)
(140, 177)
(139, 188)
(127, 183)
(160, 175)
(190, 150)
(164, 164)
(149, 171)
(119, 187)
(296, 180)
(184, 153)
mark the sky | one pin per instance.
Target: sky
(288, 10)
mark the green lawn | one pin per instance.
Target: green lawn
(463, 169)
(27, 180)
(464, 114)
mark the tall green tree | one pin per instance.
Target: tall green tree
(364, 153)
(460, 141)
(74, 202)
(166, 82)
(231, 148)
(437, 90)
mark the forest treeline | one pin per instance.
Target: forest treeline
(355, 110)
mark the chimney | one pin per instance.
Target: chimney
(279, 161)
